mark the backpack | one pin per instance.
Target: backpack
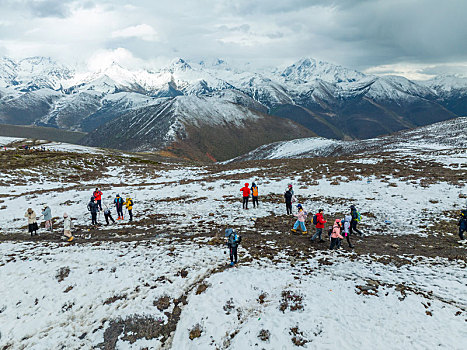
(254, 191)
(359, 216)
(315, 219)
(131, 203)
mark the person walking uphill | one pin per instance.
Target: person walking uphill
(47, 214)
(301, 217)
(346, 225)
(93, 207)
(98, 196)
(288, 201)
(254, 194)
(118, 201)
(246, 195)
(355, 220)
(318, 221)
(462, 224)
(129, 206)
(67, 226)
(233, 240)
(32, 222)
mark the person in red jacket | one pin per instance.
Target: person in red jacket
(98, 197)
(246, 195)
(319, 225)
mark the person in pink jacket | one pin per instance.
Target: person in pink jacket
(336, 235)
(301, 217)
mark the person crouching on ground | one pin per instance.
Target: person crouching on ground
(336, 235)
(129, 206)
(301, 217)
(233, 240)
(108, 215)
(32, 222)
(67, 226)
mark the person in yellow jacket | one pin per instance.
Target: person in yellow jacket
(254, 194)
(129, 206)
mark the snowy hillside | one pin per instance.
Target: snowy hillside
(163, 281)
(330, 100)
(446, 136)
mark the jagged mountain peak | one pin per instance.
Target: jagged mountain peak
(308, 69)
(179, 65)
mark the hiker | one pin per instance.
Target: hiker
(67, 226)
(233, 240)
(346, 226)
(98, 196)
(462, 224)
(288, 201)
(318, 221)
(254, 194)
(129, 206)
(290, 188)
(47, 214)
(301, 217)
(246, 195)
(107, 216)
(336, 235)
(32, 222)
(355, 220)
(93, 207)
(118, 201)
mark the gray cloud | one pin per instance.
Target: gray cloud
(359, 34)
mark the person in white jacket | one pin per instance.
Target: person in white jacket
(32, 221)
(67, 226)
(346, 221)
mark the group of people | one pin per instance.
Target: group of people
(94, 207)
(246, 191)
(341, 228)
(33, 227)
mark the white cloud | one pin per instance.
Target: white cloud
(141, 31)
(104, 58)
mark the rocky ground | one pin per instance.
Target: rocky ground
(184, 206)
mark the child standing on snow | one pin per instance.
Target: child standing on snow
(233, 240)
(129, 206)
(346, 223)
(336, 235)
(67, 226)
(47, 214)
(301, 217)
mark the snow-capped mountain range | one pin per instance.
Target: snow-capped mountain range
(325, 99)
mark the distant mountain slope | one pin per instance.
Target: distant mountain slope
(447, 134)
(194, 127)
(330, 100)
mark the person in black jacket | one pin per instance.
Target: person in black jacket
(354, 221)
(93, 207)
(462, 224)
(288, 201)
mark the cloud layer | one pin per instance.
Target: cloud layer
(411, 37)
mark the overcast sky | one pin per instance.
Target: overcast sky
(415, 38)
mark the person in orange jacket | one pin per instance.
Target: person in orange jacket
(254, 194)
(246, 195)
